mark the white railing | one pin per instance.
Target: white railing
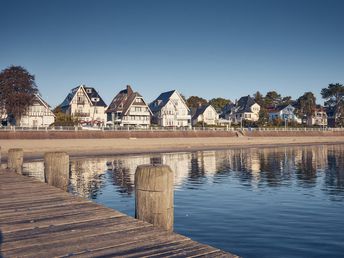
(154, 128)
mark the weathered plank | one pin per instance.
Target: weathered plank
(37, 220)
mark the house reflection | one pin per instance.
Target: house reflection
(252, 167)
(87, 177)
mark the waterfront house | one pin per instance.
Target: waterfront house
(284, 113)
(128, 108)
(244, 109)
(86, 104)
(170, 110)
(205, 115)
(318, 118)
(3, 116)
(38, 114)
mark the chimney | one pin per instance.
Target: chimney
(129, 90)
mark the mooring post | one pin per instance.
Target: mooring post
(15, 160)
(154, 195)
(56, 169)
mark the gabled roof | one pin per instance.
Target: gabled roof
(245, 103)
(278, 108)
(123, 101)
(200, 110)
(41, 100)
(162, 100)
(227, 108)
(90, 92)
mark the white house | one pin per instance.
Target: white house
(319, 117)
(38, 114)
(170, 109)
(244, 109)
(128, 108)
(283, 112)
(86, 104)
(206, 115)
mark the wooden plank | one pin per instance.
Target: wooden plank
(86, 216)
(37, 219)
(120, 225)
(69, 246)
(71, 227)
(140, 249)
(20, 217)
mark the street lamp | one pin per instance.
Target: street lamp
(285, 124)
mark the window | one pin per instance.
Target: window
(89, 90)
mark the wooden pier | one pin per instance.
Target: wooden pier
(38, 220)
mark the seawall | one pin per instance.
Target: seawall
(15, 135)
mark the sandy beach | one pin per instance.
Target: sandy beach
(35, 149)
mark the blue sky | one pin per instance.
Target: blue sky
(205, 48)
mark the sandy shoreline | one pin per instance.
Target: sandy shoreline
(35, 149)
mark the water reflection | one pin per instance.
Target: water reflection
(255, 168)
(257, 202)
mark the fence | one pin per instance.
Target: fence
(72, 128)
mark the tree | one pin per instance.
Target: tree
(334, 96)
(219, 103)
(272, 98)
(62, 119)
(195, 101)
(259, 98)
(263, 119)
(286, 100)
(306, 104)
(17, 91)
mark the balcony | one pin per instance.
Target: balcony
(81, 114)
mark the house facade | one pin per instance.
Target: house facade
(318, 118)
(128, 108)
(38, 114)
(170, 110)
(283, 112)
(246, 109)
(86, 104)
(206, 115)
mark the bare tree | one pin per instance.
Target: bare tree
(17, 91)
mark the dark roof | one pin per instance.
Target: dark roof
(244, 104)
(160, 101)
(91, 93)
(94, 94)
(278, 108)
(227, 108)
(200, 110)
(123, 100)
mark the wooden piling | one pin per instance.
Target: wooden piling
(56, 169)
(154, 195)
(15, 160)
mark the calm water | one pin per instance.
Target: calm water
(266, 202)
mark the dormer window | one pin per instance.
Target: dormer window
(95, 99)
(89, 90)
